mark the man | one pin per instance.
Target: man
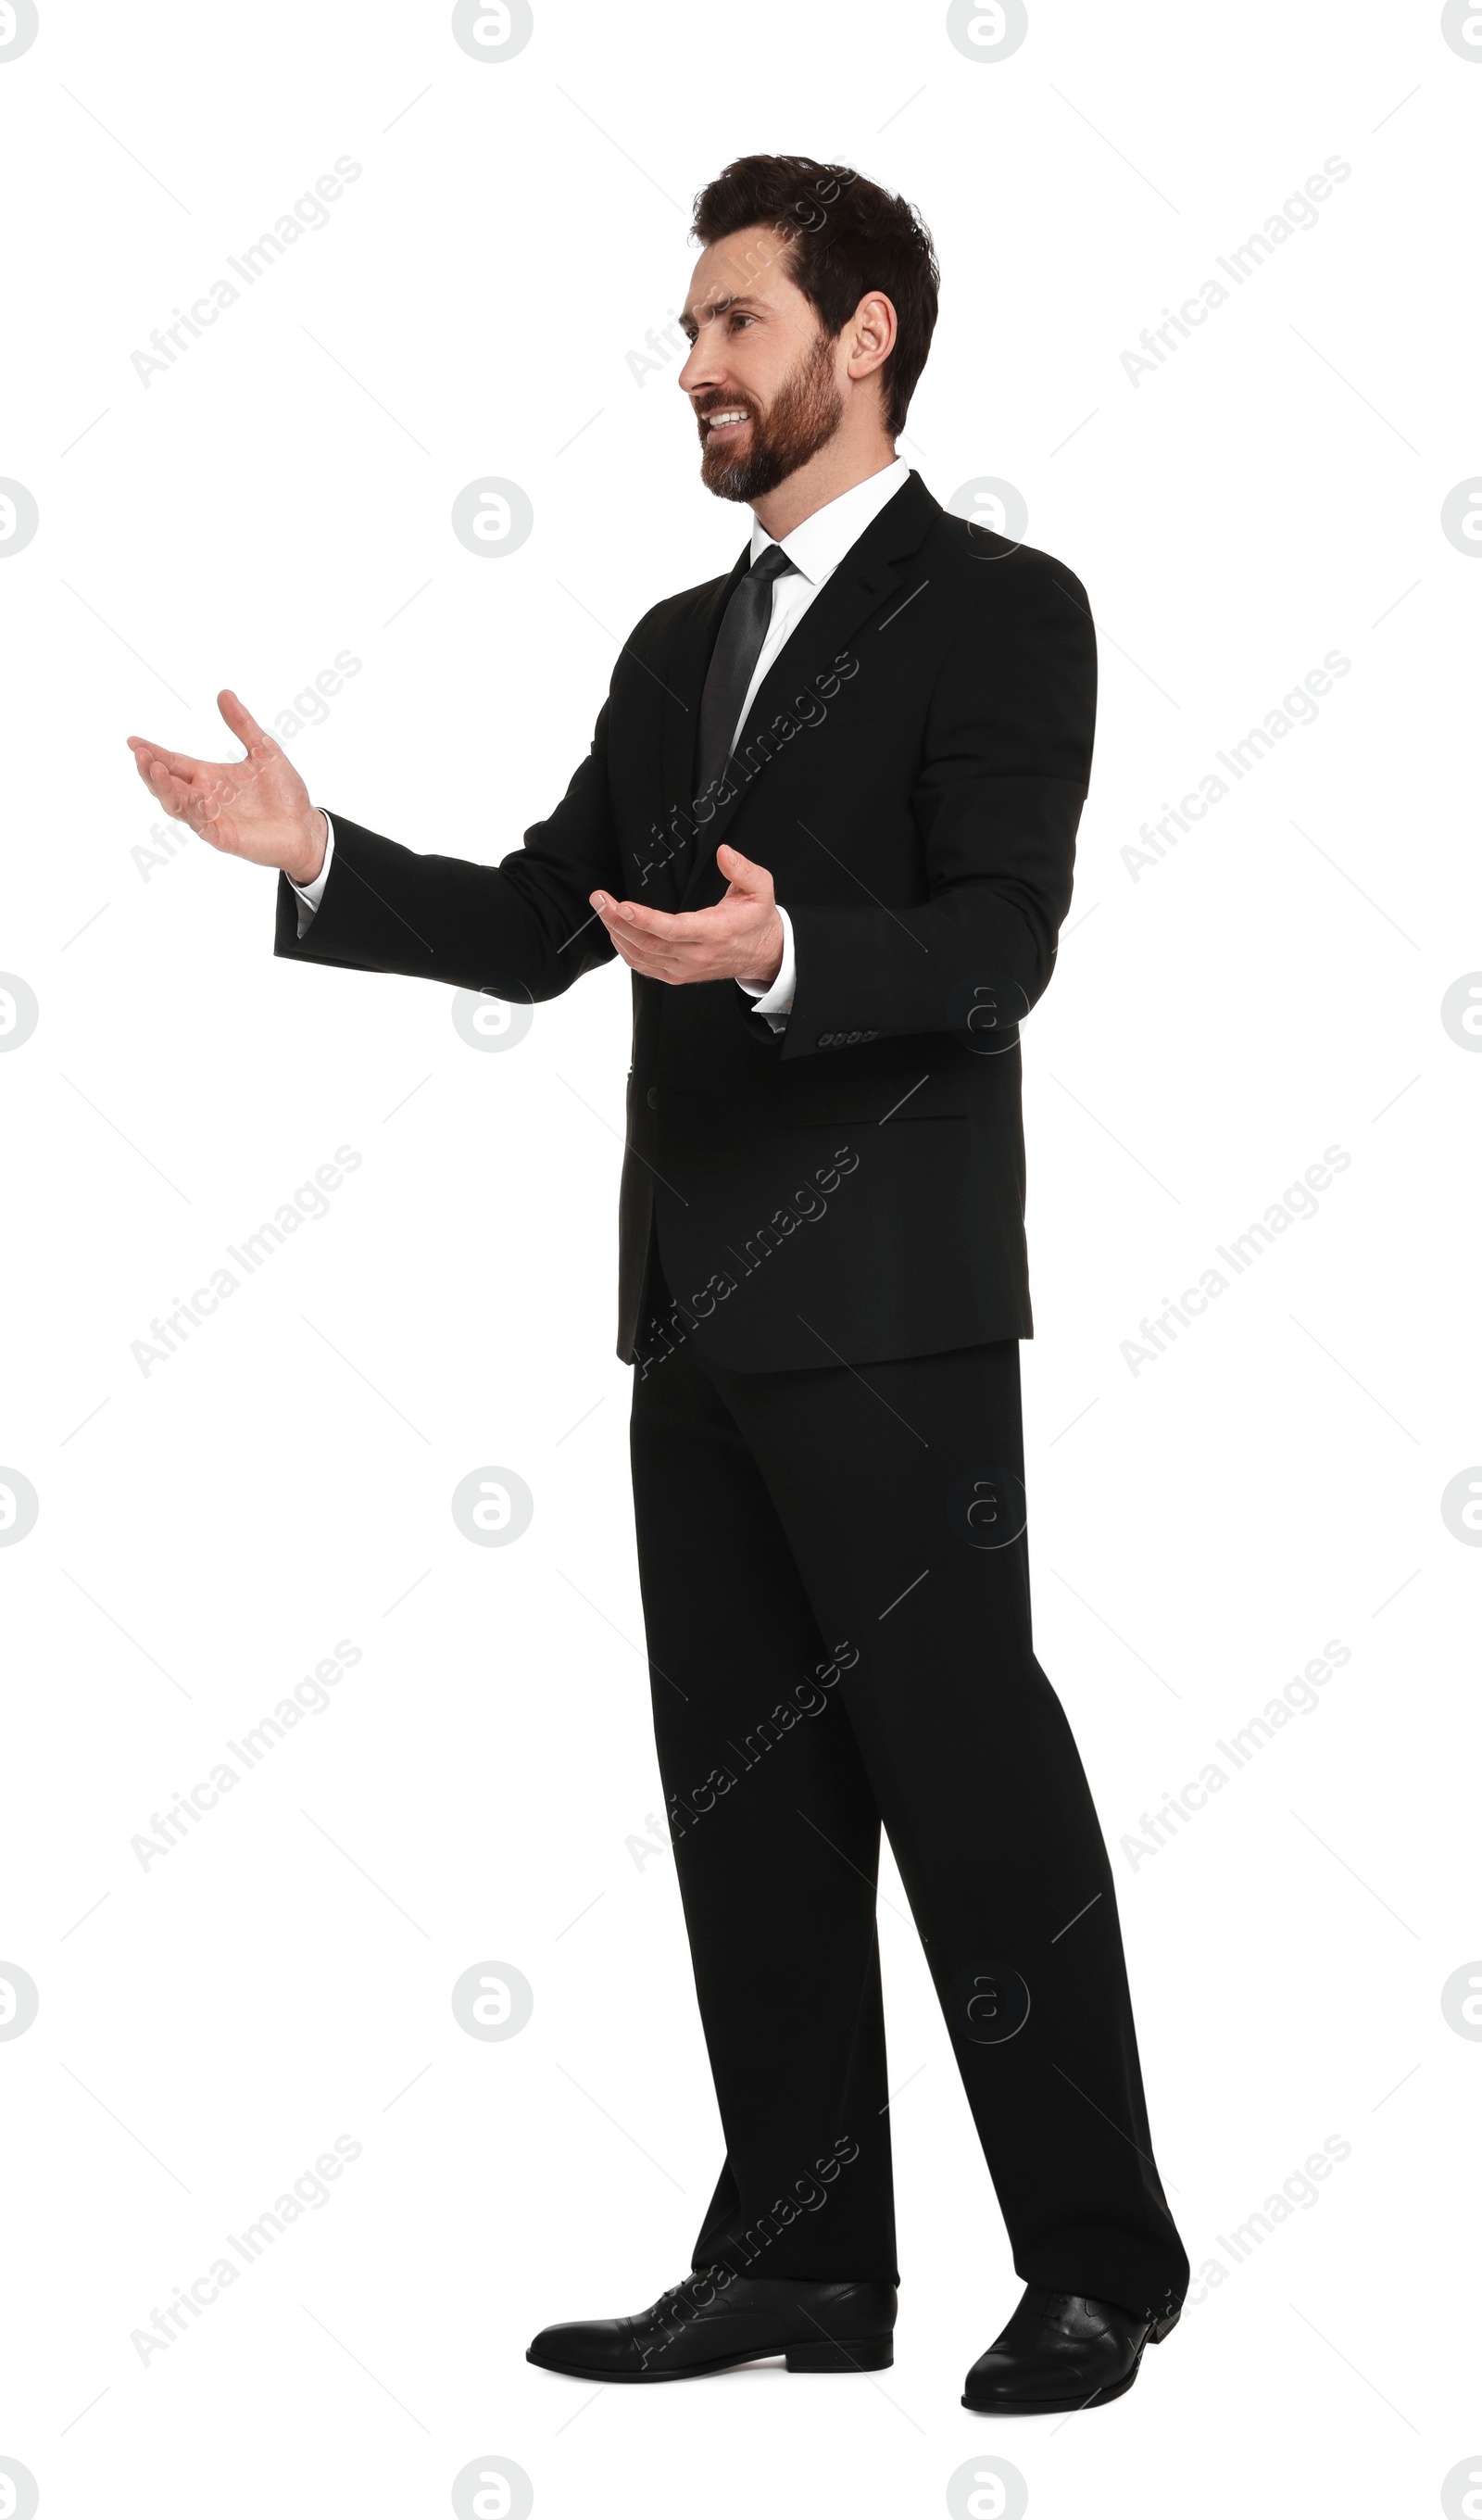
(822, 1285)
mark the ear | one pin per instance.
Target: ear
(872, 330)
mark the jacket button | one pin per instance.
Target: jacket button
(652, 1097)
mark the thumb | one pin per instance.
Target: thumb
(242, 722)
(740, 872)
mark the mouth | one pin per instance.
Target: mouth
(723, 423)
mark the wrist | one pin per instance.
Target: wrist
(310, 860)
(769, 960)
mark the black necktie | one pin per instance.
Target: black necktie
(742, 635)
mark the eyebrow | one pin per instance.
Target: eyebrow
(689, 323)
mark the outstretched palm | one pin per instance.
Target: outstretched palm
(257, 809)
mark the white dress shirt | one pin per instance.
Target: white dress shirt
(815, 547)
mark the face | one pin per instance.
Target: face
(763, 382)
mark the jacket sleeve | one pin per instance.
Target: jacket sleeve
(998, 800)
(522, 930)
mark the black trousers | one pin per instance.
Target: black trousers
(836, 1586)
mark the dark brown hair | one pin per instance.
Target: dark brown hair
(846, 236)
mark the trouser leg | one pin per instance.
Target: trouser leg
(775, 1839)
(883, 1482)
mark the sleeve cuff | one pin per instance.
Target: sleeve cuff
(776, 1001)
(310, 895)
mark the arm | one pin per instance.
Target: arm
(998, 802)
(524, 930)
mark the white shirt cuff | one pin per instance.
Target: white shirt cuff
(310, 895)
(776, 1001)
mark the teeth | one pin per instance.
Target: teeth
(719, 419)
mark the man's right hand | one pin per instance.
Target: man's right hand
(257, 809)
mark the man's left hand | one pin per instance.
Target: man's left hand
(739, 939)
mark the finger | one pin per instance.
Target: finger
(641, 955)
(625, 936)
(628, 943)
(199, 801)
(674, 975)
(173, 794)
(628, 918)
(676, 938)
(243, 724)
(740, 871)
(145, 768)
(196, 774)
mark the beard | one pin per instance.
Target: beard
(802, 417)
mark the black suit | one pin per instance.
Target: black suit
(833, 1561)
(930, 728)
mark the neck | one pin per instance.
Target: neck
(827, 475)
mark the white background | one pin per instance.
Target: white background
(1202, 1527)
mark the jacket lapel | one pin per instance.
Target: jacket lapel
(876, 567)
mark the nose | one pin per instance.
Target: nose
(700, 373)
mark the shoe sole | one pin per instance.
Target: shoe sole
(868, 2354)
(1071, 2406)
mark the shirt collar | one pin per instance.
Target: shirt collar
(817, 544)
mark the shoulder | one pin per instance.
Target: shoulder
(990, 576)
(1019, 645)
(662, 619)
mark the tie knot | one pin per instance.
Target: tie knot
(770, 565)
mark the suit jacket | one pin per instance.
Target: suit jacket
(911, 772)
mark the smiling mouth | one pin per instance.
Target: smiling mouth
(723, 423)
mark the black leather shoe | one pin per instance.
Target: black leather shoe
(1062, 2350)
(714, 2320)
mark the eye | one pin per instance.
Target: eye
(738, 320)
